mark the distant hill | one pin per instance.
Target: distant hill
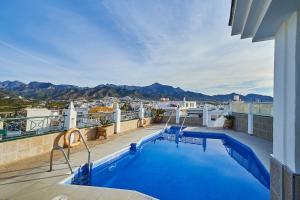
(49, 91)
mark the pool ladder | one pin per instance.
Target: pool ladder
(166, 126)
(67, 157)
(181, 127)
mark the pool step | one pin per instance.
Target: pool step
(82, 176)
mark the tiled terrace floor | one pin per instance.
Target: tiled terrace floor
(30, 179)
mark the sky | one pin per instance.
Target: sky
(183, 43)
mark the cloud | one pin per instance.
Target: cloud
(184, 43)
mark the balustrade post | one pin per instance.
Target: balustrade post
(71, 117)
(141, 111)
(205, 115)
(178, 113)
(250, 118)
(117, 118)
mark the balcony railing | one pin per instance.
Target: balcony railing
(147, 113)
(11, 128)
(20, 127)
(264, 109)
(129, 115)
(94, 119)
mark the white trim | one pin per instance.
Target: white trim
(111, 156)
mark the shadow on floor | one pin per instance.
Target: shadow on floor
(33, 179)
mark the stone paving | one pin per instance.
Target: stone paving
(30, 179)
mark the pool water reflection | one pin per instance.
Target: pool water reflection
(191, 166)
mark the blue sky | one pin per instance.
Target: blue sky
(183, 43)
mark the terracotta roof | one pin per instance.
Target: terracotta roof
(101, 109)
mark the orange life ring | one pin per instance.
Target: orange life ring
(142, 122)
(67, 136)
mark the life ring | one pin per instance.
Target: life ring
(142, 123)
(67, 136)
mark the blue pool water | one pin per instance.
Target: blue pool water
(210, 166)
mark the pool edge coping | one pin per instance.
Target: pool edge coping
(119, 153)
(109, 157)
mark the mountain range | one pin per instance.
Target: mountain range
(49, 91)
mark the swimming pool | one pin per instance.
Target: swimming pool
(188, 166)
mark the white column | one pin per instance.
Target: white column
(1, 124)
(141, 111)
(286, 126)
(178, 115)
(205, 115)
(230, 107)
(1, 129)
(117, 118)
(71, 117)
(250, 118)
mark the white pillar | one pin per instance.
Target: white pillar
(250, 118)
(117, 118)
(230, 107)
(205, 115)
(178, 115)
(141, 111)
(286, 126)
(71, 117)
(1, 124)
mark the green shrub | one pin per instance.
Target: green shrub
(105, 122)
(229, 117)
(157, 115)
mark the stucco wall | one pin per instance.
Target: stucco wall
(189, 121)
(133, 124)
(166, 118)
(24, 148)
(110, 130)
(192, 121)
(11, 151)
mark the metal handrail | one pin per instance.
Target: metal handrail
(168, 120)
(29, 126)
(182, 123)
(85, 144)
(35, 117)
(67, 157)
(57, 147)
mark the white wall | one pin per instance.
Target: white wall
(286, 136)
(37, 123)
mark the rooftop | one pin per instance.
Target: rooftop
(30, 179)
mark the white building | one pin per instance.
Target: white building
(170, 105)
(83, 109)
(278, 20)
(236, 98)
(39, 118)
